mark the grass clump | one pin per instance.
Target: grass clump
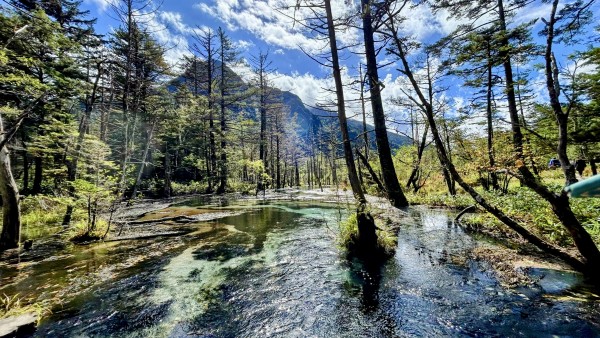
(12, 306)
(348, 234)
(85, 231)
(348, 231)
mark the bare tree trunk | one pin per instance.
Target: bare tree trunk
(37, 175)
(297, 174)
(553, 86)
(138, 179)
(25, 172)
(364, 112)
(278, 163)
(414, 175)
(371, 172)
(395, 194)
(11, 214)
(167, 163)
(490, 126)
(367, 237)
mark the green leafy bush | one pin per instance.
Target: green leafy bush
(189, 188)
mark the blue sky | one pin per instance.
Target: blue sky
(255, 24)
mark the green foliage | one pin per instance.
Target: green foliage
(348, 230)
(42, 215)
(189, 188)
(245, 188)
(386, 238)
(82, 231)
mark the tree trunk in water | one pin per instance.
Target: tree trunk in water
(11, 214)
(447, 176)
(395, 194)
(366, 237)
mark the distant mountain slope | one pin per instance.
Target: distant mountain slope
(307, 118)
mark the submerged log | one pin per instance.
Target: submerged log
(146, 236)
(19, 326)
(158, 220)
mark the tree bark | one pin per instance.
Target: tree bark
(367, 236)
(490, 126)
(11, 214)
(553, 86)
(414, 175)
(167, 163)
(138, 179)
(37, 175)
(371, 172)
(395, 194)
(341, 108)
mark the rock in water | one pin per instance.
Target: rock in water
(19, 326)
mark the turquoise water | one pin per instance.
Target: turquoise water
(276, 271)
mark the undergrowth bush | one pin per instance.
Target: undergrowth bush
(188, 188)
(83, 231)
(386, 238)
(525, 206)
(245, 188)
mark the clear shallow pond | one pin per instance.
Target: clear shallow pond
(275, 271)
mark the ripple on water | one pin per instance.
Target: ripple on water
(276, 272)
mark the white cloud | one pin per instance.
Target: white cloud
(174, 20)
(244, 44)
(170, 32)
(272, 21)
(102, 4)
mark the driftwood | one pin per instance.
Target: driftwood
(460, 214)
(19, 326)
